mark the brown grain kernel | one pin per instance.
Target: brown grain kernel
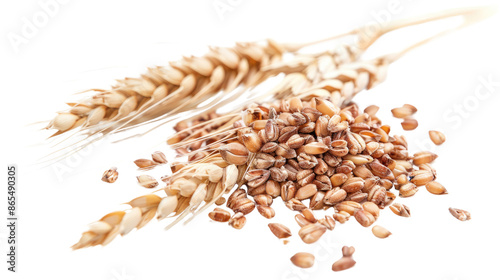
(316, 201)
(263, 161)
(427, 167)
(328, 222)
(279, 230)
(244, 205)
(159, 157)
(421, 177)
(387, 183)
(307, 161)
(379, 169)
(353, 185)
(399, 152)
(435, 188)
(334, 196)
(333, 122)
(344, 169)
(408, 190)
(295, 205)
(461, 215)
(296, 104)
(251, 140)
(285, 151)
(326, 107)
(303, 260)
(377, 195)
(257, 177)
(348, 206)
(343, 264)
(402, 112)
(322, 182)
(357, 196)
(296, 119)
(321, 167)
(371, 110)
(338, 179)
(271, 131)
(371, 208)
(258, 124)
(400, 210)
(437, 137)
(221, 200)
(409, 124)
(378, 153)
(316, 148)
(423, 157)
(311, 233)
(330, 172)
(307, 128)
(234, 197)
(238, 221)
(263, 199)
(288, 190)
(364, 218)
(279, 174)
(370, 183)
(358, 127)
(312, 113)
(308, 214)
(307, 179)
(219, 215)
(234, 153)
(359, 159)
(293, 163)
(380, 232)
(388, 161)
(402, 179)
(269, 147)
(348, 251)
(371, 147)
(144, 163)
(301, 220)
(339, 152)
(411, 107)
(110, 175)
(266, 211)
(257, 190)
(286, 133)
(295, 141)
(389, 199)
(279, 161)
(273, 188)
(362, 172)
(341, 216)
(331, 160)
(306, 191)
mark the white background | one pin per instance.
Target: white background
(88, 44)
